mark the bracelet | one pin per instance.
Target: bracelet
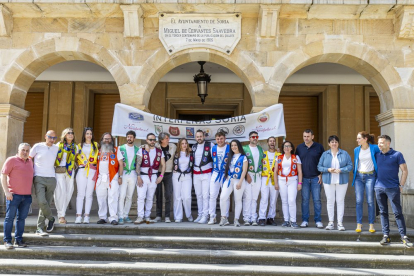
(299, 183)
(161, 175)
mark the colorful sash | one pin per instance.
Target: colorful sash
(222, 167)
(127, 167)
(85, 162)
(155, 163)
(267, 170)
(70, 151)
(250, 158)
(238, 170)
(113, 164)
(293, 166)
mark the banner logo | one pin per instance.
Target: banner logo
(238, 130)
(189, 132)
(225, 130)
(158, 129)
(263, 117)
(136, 116)
(174, 131)
(207, 133)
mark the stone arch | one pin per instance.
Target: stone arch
(362, 58)
(161, 63)
(33, 61)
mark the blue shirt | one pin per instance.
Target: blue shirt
(345, 165)
(388, 167)
(310, 158)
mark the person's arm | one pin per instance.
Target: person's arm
(159, 179)
(243, 175)
(4, 183)
(300, 176)
(138, 170)
(321, 166)
(348, 166)
(276, 174)
(404, 170)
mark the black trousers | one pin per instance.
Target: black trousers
(168, 187)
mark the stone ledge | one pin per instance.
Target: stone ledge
(395, 115)
(14, 112)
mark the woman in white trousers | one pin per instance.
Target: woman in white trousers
(87, 158)
(288, 180)
(65, 172)
(182, 180)
(234, 175)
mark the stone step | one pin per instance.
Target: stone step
(42, 267)
(207, 243)
(235, 257)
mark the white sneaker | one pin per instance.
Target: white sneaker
(139, 220)
(236, 223)
(212, 221)
(203, 220)
(167, 220)
(86, 219)
(178, 220)
(190, 219)
(304, 224)
(78, 220)
(340, 227)
(147, 219)
(330, 226)
(223, 221)
(197, 219)
(319, 224)
(157, 219)
(254, 223)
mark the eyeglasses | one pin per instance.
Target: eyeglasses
(152, 140)
(88, 128)
(255, 137)
(287, 146)
(51, 137)
(71, 133)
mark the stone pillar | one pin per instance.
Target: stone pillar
(399, 125)
(12, 119)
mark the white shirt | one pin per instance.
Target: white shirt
(198, 155)
(86, 149)
(365, 163)
(255, 153)
(220, 154)
(152, 154)
(286, 164)
(183, 161)
(335, 165)
(44, 158)
(130, 154)
(271, 157)
(234, 161)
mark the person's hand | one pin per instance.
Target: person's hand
(276, 187)
(330, 170)
(238, 186)
(9, 196)
(159, 179)
(337, 171)
(120, 180)
(299, 187)
(140, 183)
(320, 179)
(401, 188)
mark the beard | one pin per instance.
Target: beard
(105, 148)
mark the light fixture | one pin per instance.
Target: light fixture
(202, 79)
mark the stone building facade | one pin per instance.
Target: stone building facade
(278, 38)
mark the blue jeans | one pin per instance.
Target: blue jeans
(19, 205)
(365, 182)
(311, 185)
(393, 194)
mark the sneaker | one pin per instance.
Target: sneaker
(236, 223)
(227, 223)
(190, 219)
(254, 223)
(128, 220)
(223, 221)
(78, 220)
(139, 220)
(86, 219)
(203, 220)
(101, 221)
(340, 227)
(385, 240)
(50, 225)
(20, 244)
(121, 221)
(271, 221)
(178, 220)
(197, 219)
(262, 222)
(8, 245)
(167, 220)
(147, 220)
(212, 221)
(406, 242)
(330, 226)
(114, 222)
(246, 223)
(157, 219)
(40, 232)
(304, 224)
(286, 224)
(294, 225)
(319, 225)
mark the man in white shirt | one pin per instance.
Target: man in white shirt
(44, 156)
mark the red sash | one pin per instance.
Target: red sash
(155, 163)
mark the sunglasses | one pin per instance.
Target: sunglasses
(51, 137)
(254, 137)
(152, 140)
(72, 133)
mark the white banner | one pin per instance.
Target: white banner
(268, 122)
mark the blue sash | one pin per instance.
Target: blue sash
(216, 168)
(238, 169)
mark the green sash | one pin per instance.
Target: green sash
(250, 159)
(128, 168)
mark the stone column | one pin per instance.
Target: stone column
(399, 125)
(12, 119)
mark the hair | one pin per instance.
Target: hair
(231, 154)
(112, 138)
(64, 132)
(84, 138)
(268, 139)
(163, 135)
(292, 151)
(308, 130)
(131, 132)
(149, 134)
(333, 138)
(199, 130)
(253, 132)
(178, 150)
(22, 145)
(220, 134)
(370, 137)
(386, 137)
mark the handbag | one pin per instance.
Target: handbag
(60, 169)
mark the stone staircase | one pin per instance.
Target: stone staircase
(193, 249)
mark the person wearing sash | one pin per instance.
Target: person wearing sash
(254, 154)
(87, 159)
(147, 165)
(65, 168)
(127, 158)
(234, 174)
(268, 194)
(107, 180)
(220, 153)
(182, 181)
(203, 166)
(288, 180)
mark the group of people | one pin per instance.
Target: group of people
(247, 171)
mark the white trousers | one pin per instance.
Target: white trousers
(238, 195)
(288, 191)
(202, 191)
(85, 186)
(146, 196)
(268, 197)
(63, 193)
(335, 192)
(214, 192)
(251, 193)
(182, 195)
(107, 197)
(126, 190)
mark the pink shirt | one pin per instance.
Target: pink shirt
(20, 175)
